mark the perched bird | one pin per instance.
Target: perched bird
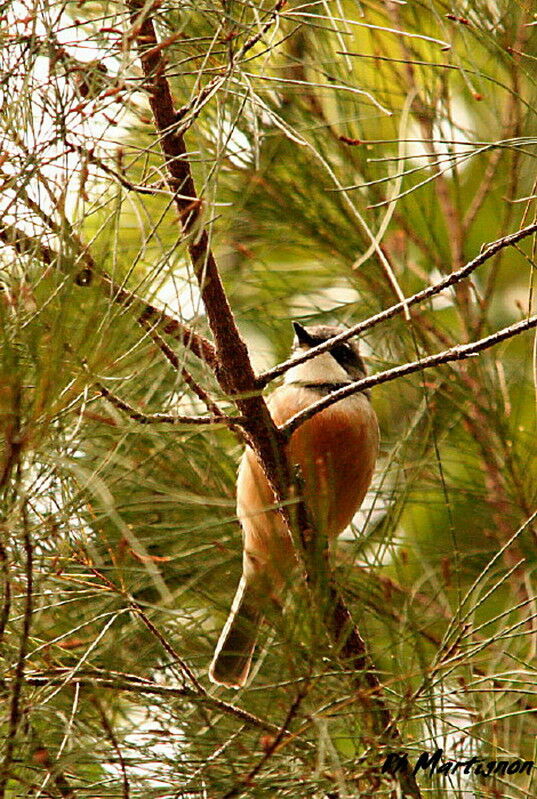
(336, 451)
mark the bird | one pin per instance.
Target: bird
(335, 451)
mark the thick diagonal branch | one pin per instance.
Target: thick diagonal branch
(233, 368)
(234, 371)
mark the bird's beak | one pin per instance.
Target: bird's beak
(302, 335)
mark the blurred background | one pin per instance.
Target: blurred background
(347, 154)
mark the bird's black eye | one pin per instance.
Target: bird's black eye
(343, 354)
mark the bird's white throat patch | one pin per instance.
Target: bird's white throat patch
(321, 369)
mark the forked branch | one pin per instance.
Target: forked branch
(234, 370)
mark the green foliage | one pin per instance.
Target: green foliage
(411, 126)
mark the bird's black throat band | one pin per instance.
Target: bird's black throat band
(324, 388)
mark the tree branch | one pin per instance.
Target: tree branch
(454, 277)
(233, 368)
(148, 315)
(163, 418)
(135, 684)
(246, 781)
(458, 353)
(234, 371)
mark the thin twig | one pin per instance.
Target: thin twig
(6, 603)
(454, 277)
(172, 357)
(246, 781)
(163, 418)
(121, 179)
(113, 740)
(134, 684)
(187, 114)
(200, 691)
(18, 677)
(458, 353)
(148, 314)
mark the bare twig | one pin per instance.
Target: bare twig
(14, 717)
(458, 353)
(134, 684)
(117, 176)
(148, 314)
(454, 277)
(233, 368)
(172, 357)
(246, 781)
(163, 418)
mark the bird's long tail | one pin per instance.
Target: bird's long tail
(233, 653)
